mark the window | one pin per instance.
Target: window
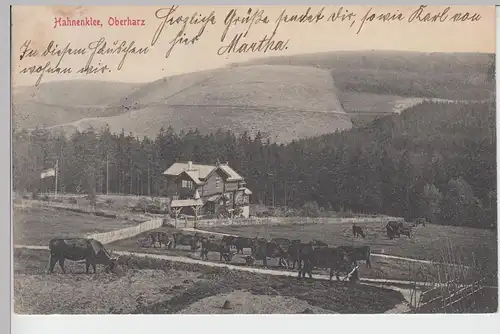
(217, 182)
(187, 184)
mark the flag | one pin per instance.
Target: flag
(47, 173)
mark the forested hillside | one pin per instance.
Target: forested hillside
(435, 159)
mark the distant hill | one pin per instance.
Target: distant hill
(286, 102)
(456, 76)
(61, 102)
(286, 97)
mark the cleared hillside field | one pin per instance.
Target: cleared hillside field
(36, 226)
(284, 102)
(270, 99)
(150, 286)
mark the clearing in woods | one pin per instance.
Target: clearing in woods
(36, 226)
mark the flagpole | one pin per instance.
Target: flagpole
(55, 190)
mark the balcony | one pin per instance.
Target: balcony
(185, 193)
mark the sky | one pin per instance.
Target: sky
(35, 26)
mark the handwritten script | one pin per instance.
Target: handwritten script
(235, 28)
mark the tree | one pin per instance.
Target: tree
(431, 202)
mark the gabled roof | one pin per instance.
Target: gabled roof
(202, 172)
(246, 191)
(193, 175)
(233, 176)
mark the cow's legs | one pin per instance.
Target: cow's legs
(87, 265)
(61, 264)
(52, 263)
(94, 267)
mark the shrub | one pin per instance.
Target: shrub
(310, 209)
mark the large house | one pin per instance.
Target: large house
(220, 187)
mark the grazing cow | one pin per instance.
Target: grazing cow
(262, 249)
(393, 228)
(406, 230)
(283, 245)
(327, 258)
(294, 251)
(319, 244)
(160, 238)
(357, 231)
(355, 254)
(211, 245)
(79, 249)
(190, 240)
(242, 242)
(229, 240)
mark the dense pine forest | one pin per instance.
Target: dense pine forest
(436, 160)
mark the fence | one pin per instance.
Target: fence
(293, 220)
(125, 233)
(226, 221)
(447, 298)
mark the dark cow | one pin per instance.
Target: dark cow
(357, 231)
(294, 251)
(263, 249)
(393, 228)
(419, 221)
(159, 238)
(362, 253)
(79, 249)
(284, 245)
(229, 240)
(212, 245)
(406, 230)
(327, 258)
(242, 242)
(319, 244)
(191, 240)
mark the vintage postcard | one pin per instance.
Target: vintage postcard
(254, 159)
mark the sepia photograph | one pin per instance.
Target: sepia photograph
(254, 160)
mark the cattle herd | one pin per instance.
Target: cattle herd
(290, 253)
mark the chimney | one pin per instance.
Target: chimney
(190, 165)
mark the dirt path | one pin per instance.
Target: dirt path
(265, 271)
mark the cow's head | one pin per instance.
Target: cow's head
(230, 255)
(112, 263)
